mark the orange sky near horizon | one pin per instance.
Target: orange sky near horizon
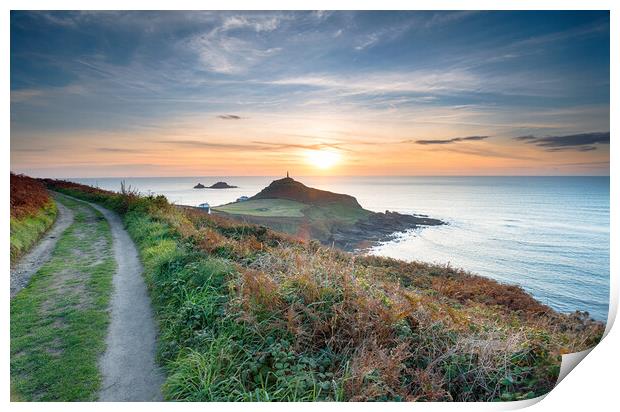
(181, 154)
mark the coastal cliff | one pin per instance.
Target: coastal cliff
(332, 218)
(289, 188)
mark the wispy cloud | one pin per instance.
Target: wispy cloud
(257, 23)
(30, 150)
(448, 141)
(414, 81)
(38, 95)
(486, 152)
(222, 51)
(229, 117)
(119, 150)
(422, 22)
(368, 41)
(211, 145)
(563, 35)
(253, 145)
(313, 146)
(582, 142)
(18, 96)
(574, 148)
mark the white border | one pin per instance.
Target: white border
(311, 5)
(591, 386)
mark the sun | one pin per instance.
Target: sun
(323, 159)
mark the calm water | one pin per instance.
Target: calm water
(548, 234)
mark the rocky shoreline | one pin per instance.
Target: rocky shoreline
(377, 227)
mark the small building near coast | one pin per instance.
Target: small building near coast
(205, 206)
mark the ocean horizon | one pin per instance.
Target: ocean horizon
(547, 234)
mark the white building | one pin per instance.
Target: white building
(205, 206)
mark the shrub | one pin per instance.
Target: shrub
(32, 212)
(247, 314)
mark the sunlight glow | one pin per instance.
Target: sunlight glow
(323, 159)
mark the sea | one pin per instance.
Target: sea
(549, 235)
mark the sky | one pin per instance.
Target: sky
(96, 94)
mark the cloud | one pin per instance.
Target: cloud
(581, 142)
(417, 81)
(222, 52)
(253, 146)
(394, 32)
(368, 41)
(484, 152)
(257, 23)
(578, 149)
(22, 95)
(314, 146)
(229, 117)
(119, 150)
(38, 95)
(585, 164)
(211, 145)
(228, 55)
(448, 141)
(443, 18)
(558, 36)
(29, 150)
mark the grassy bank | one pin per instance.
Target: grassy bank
(26, 231)
(59, 321)
(305, 221)
(247, 314)
(32, 212)
(264, 207)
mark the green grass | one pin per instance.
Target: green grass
(295, 217)
(265, 208)
(209, 354)
(246, 314)
(336, 212)
(26, 231)
(59, 321)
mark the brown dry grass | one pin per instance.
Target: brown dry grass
(393, 330)
(28, 196)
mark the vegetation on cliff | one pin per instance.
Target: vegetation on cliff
(290, 206)
(32, 212)
(248, 314)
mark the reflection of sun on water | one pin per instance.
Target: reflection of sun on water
(322, 159)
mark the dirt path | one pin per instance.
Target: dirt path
(41, 253)
(128, 365)
(59, 320)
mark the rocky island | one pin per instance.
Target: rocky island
(218, 185)
(332, 218)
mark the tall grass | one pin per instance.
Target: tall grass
(248, 314)
(32, 212)
(26, 231)
(28, 196)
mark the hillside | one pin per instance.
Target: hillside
(288, 188)
(332, 218)
(248, 314)
(33, 211)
